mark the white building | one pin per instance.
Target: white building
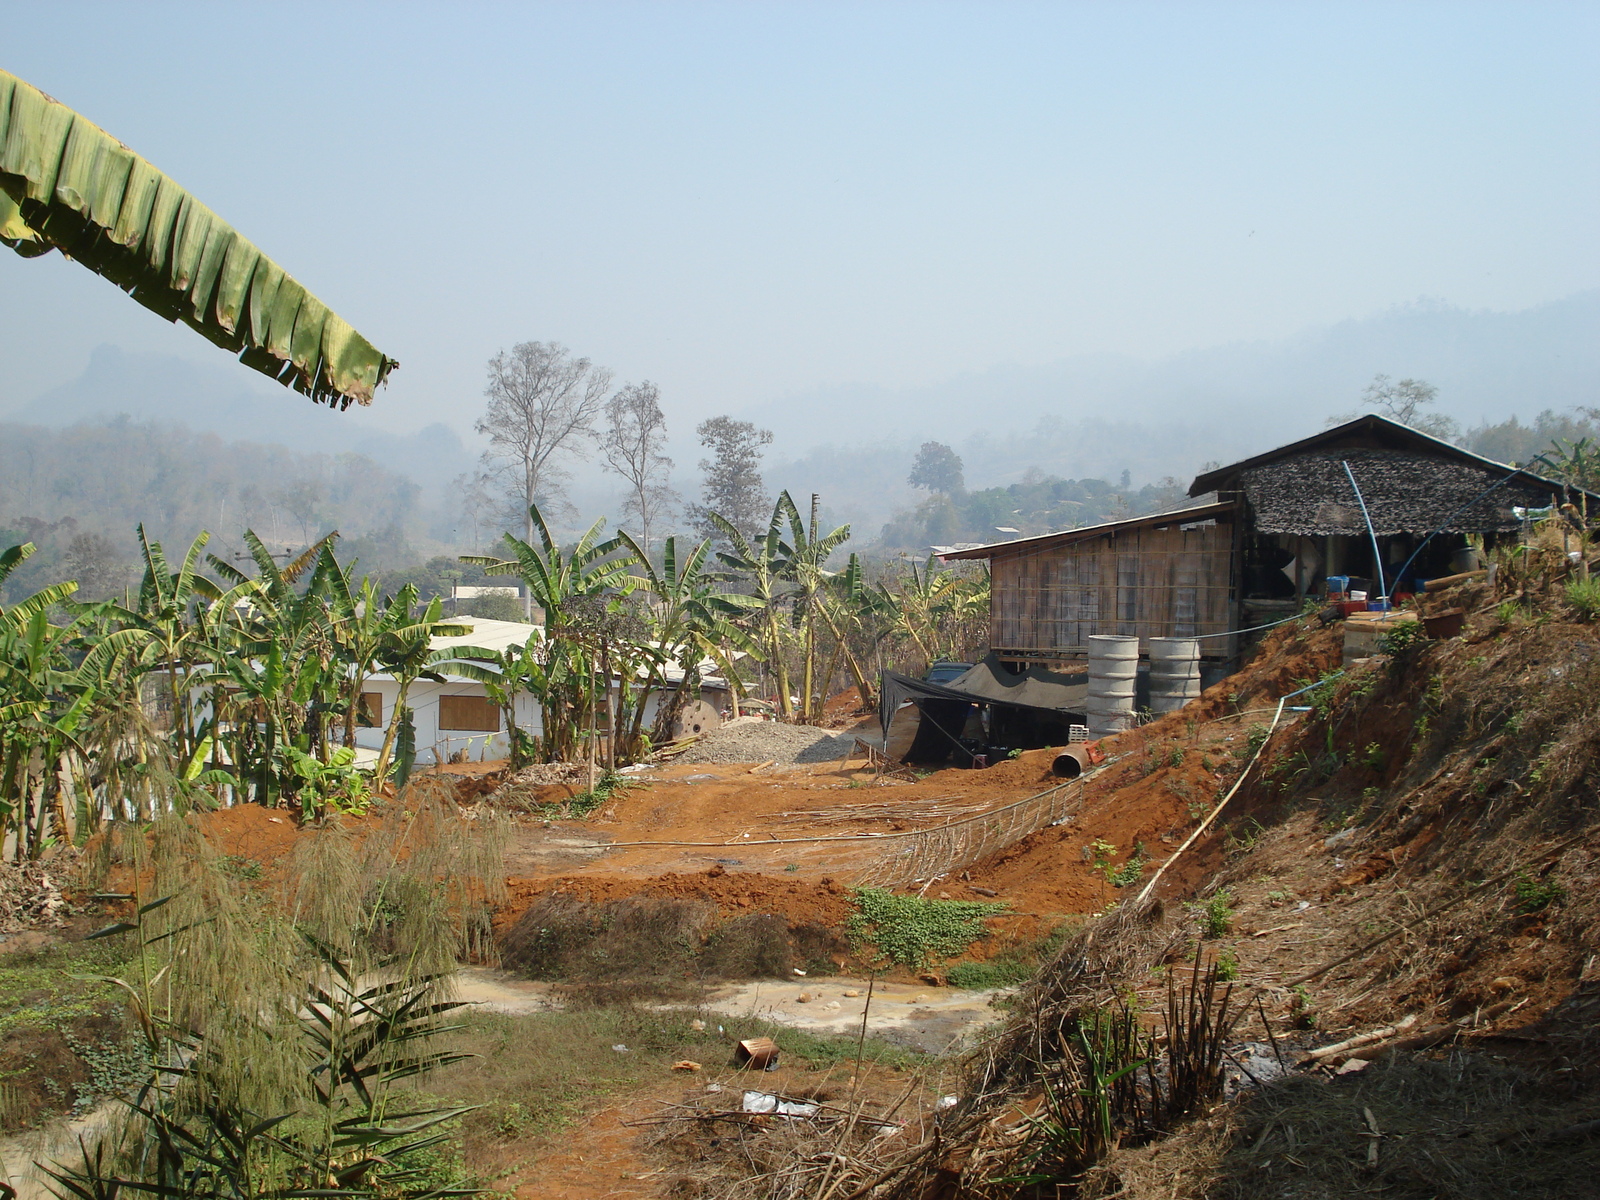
(455, 717)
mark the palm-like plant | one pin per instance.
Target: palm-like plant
(555, 579)
(552, 576)
(696, 619)
(762, 567)
(165, 614)
(810, 551)
(407, 653)
(505, 675)
(42, 702)
(67, 184)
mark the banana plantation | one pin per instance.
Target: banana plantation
(210, 685)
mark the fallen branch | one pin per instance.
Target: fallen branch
(1365, 1039)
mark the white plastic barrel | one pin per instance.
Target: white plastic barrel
(1174, 673)
(1113, 671)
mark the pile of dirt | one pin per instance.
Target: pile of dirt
(712, 925)
(1161, 780)
(752, 740)
(799, 901)
(544, 774)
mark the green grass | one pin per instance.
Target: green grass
(1214, 915)
(54, 988)
(996, 973)
(1014, 966)
(52, 1002)
(1535, 894)
(539, 1074)
(1584, 595)
(911, 931)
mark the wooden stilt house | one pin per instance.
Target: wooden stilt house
(1264, 534)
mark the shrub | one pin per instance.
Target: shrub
(997, 973)
(1214, 914)
(1535, 894)
(1584, 595)
(1402, 639)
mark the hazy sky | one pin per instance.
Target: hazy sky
(742, 201)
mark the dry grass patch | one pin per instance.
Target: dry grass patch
(1462, 1127)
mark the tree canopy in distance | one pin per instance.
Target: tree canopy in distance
(938, 469)
(1404, 402)
(635, 435)
(733, 486)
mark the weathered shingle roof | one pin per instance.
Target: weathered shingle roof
(1404, 492)
(1370, 432)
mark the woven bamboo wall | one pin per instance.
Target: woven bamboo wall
(1151, 582)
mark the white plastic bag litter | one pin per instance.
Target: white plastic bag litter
(766, 1102)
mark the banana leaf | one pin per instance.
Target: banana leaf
(68, 185)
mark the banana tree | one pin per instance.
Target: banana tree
(555, 579)
(68, 185)
(762, 567)
(41, 704)
(916, 600)
(407, 654)
(849, 608)
(278, 671)
(810, 551)
(505, 675)
(695, 620)
(165, 614)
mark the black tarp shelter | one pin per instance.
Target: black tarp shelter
(1028, 709)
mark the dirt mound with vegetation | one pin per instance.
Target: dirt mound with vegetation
(728, 893)
(1408, 881)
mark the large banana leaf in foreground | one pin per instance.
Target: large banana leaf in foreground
(68, 185)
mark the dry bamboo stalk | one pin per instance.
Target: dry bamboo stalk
(1377, 1035)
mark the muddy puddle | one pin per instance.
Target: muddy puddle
(917, 1016)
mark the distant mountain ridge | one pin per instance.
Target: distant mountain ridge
(1221, 402)
(1089, 416)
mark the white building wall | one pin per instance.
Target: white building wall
(435, 745)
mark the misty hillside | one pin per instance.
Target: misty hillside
(79, 493)
(1098, 415)
(236, 405)
(1090, 417)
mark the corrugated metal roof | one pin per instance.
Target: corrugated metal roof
(1179, 516)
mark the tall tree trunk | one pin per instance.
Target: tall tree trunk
(356, 684)
(869, 694)
(611, 720)
(591, 732)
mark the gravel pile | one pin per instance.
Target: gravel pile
(756, 741)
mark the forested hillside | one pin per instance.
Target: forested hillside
(79, 493)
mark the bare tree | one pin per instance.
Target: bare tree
(542, 407)
(636, 432)
(303, 498)
(1404, 402)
